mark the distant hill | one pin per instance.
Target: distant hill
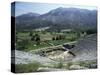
(59, 18)
(25, 18)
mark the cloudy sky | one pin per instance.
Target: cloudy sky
(41, 8)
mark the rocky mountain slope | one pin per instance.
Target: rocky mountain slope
(60, 17)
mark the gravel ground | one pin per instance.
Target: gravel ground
(25, 58)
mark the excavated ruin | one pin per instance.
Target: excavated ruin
(84, 49)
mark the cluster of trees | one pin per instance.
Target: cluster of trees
(91, 31)
(25, 44)
(35, 38)
(58, 37)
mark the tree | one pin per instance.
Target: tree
(37, 40)
(60, 37)
(31, 34)
(33, 38)
(36, 35)
(57, 37)
(53, 38)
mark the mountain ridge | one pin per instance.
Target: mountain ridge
(67, 17)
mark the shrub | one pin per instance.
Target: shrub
(68, 65)
(23, 44)
(24, 68)
(58, 65)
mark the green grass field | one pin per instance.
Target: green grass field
(34, 67)
(24, 42)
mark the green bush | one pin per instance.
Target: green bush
(87, 64)
(68, 65)
(24, 68)
(24, 45)
(58, 65)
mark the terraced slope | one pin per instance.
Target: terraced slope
(86, 48)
